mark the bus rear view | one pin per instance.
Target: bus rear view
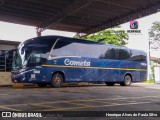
(54, 60)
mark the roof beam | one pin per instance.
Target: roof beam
(81, 21)
(118, 3)
(2, 2)
(141, 12)
(69, 10)
(21, 13)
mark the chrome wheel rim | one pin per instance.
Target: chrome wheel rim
(127, 80)
(57, 80)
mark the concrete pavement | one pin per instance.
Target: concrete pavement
(155, 86)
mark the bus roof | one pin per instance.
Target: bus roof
(49, 37)
(65, 38)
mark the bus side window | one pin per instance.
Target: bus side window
(143, 58)
(69, 49)
(110, 53)
(135, 56)
(124, 54)
(106, 52)
(82, 50)
(94, 51)
(63, 48)
(102, 51)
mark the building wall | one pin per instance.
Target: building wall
(7, 47)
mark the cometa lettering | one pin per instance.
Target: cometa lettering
(76, 63)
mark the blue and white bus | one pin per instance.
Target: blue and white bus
(55, 60)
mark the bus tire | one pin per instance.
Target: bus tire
(127, 81)
(57, 80)
(41, 84)
(110, 83)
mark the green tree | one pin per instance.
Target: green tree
(111, 36)
(154, 35)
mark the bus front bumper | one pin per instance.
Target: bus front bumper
(21, 78)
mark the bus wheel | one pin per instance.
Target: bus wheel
(127, 81)
(110, 83)
(57, 80)
(41, 84)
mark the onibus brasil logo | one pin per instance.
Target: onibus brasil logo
(21, 114)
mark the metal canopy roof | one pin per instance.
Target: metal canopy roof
(81, 16)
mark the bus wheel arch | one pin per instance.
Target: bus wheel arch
(110, 83)
(127, 79)
(57, 79)
(43, 85)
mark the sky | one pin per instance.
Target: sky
(141, 41)
(16, 32)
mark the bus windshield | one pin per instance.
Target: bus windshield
(17, 61)
(31, 55)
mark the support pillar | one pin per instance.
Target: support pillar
(38, 31)
(38, 34)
